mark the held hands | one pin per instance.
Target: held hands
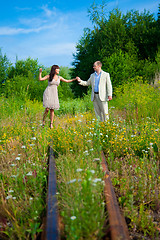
(78, 79)
(109, 98)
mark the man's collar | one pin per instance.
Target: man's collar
(97, 73)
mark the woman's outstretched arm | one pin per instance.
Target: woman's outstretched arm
(40, 76)
(68, 81)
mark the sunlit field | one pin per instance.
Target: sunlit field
(130, 141)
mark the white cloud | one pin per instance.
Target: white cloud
(48, 12)
(15, 31)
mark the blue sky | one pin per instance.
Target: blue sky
(49, 30)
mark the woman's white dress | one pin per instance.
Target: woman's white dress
(50, 95)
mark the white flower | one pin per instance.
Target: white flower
(12, 165)
(8, 197)
(71, 181)
(32, 144)
(30, 198)
(79, 180)
(73, 217)
(23, 146)
(79, 170)
(29, 173)
(89, 140)
(96, 159)
(14, 198)
(11, 191)
(14, 176)
(79, 120)
(91, 149)
(33, 138)
(17, 158)
(133, 135)
(19, 154)
(97, 180)
(107, 136)
(151, 144)
(157, 129)
(92, 171)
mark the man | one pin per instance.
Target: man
(101, 90)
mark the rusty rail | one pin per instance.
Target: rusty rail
(118, 226)
(51, 231)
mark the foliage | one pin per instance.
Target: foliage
(4, 65)
(130, 140)
(126, 44)
(23, 154)
(22, 80)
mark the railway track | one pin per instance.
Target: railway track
(117, 226)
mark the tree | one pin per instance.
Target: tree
(4, 65)
(125, 43)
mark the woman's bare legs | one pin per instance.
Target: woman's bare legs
(51, 117)
(45, 114)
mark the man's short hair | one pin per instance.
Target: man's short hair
(98, 63)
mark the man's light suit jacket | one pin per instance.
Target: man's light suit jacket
(105, 86)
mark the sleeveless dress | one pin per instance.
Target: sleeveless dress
(50, 95)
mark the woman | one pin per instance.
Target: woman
(50, 95)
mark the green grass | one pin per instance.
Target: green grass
(130, 141)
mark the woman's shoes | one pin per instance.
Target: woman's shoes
(51, 125)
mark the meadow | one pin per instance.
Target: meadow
(130, 141)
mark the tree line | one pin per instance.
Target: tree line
(128, 45)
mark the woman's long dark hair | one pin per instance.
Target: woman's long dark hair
(52, 72)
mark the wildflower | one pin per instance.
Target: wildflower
(92, 171)
(89, 140)
(32, 145)
(79, 170)
(97, 180)
(107, 136)
(19, 154)
(91, 149)
(79, 180)
(33, 138)
(14, 176)
(12, 165)
(96, 159)
(18, 158)
(8, 197)
(30, 198)
(71, 181)
(29, 173)
(133, 136)
(13, 198)
(11, 191)
(157, 129)
(23, 146)
(73, 217)
(151, 144)
(79, 120)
